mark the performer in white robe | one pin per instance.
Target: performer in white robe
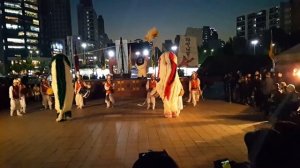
(169, 86)
(22, 89)
(14, 95)
(62, 86)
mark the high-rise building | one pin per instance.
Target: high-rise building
(87, 22)
(101, 29)
(253, 25)
(56, 24)
(205, 36)
(295, 6)
(20, 31)
(285, 17)
(194, 32)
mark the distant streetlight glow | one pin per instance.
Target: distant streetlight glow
(37, 51)
(205, 51)
(174, 48)
(84, 45)
(111, 53)
(273, 44)
(137, 53)
(145, 52)
(254, 43)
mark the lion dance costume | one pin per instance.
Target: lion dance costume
(169, 86)
(62, 86)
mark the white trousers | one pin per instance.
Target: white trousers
(109, 100)
(14, 106)
(23, 104)
(47, 101)
(150, 99)
(194, 96)
(79, 100)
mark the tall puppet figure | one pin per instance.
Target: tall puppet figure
(62, 86)
(169, 86)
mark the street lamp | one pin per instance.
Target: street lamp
(212, 51)
(145, 52)
(254, 43)
(111, 53)
(204, 51)
(30, 53)
(137, 53)
(84, 45)
(174, 48)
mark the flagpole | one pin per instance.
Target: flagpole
(272, 54)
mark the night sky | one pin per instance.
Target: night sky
(131, 19)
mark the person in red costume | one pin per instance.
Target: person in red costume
(79, 85)
(109, 90)
(46, 99)
(151, 91)
(194, 89)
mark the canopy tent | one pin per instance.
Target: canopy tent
(288, 63)
(291, 55)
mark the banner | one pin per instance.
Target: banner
(188, 52)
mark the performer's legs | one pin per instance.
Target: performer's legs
(12, 107)
(194, 98)
(77, 97)
(190, 97)
(49, 102)
(23, 104)
(107, 101)
(111, 99)
(148, 101)
(44, 100)
(167, 110)
(80, 99)
(17, 107)
(153, 102)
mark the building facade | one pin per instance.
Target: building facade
(20, 31)
(253, 25)
(56, 25)
(87, 22)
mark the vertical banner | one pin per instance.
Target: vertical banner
(122, 56)
(188, 52)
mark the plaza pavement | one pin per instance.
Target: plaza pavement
(113, 138)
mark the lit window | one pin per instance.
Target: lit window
(13, 5)
(30, 34)
(35, 22)
(239, 28)
(15, 40)
(34, 28)
(31, 6)
(12, 19)
(18, 12)
(254, 25)
(32, 47)
(31, 41)
(32, 1)
(31, 14)
(12, 26)
(21, 33)
(15, 47)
